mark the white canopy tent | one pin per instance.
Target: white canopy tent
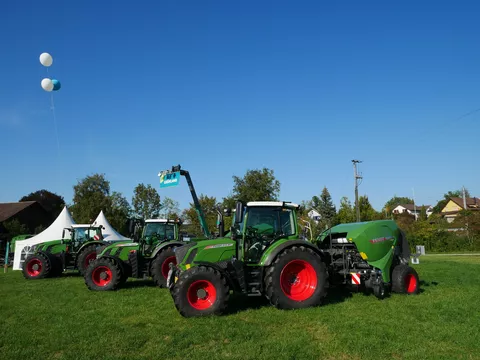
(53, 232)
(109, 233)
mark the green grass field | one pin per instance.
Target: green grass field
(61, 319)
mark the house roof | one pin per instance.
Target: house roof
(412, 207)
(472, 203)
(7, 210)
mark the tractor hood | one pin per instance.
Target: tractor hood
(205, 251)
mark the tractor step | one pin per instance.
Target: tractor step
(254, 282)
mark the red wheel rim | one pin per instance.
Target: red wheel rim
(34, 267)
(411, 283)
(201, 294)
(166, 263)
(101, 276)
(89, 258)
(298, 280)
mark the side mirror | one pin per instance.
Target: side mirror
(131, 226)
(238, 212)
(63, 234)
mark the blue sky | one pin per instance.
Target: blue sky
(221, 87)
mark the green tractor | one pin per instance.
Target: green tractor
(266, 256)
(149, 257)
(51, 258)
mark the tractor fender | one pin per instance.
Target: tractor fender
(88, 243)
(165, 245)
(221, 270)
(117, 261)
(268, 259)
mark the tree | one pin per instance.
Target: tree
(325, 207)
(90, 196)
(367, 212)
(14, 228)
(394, 202)
(119, 212)
(208, 205)
(346, 213)
(170, 209)
(256, 185)
(51, 202)
(146, 201)
(423, 214)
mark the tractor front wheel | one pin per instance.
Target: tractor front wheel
(296, 279)
(161, 266)
(200, 291)
(86, 256)
(103, 275)
(405, 280)
(37, 266)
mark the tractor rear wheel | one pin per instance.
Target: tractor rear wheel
(37, 266)
(405, 280)
(296, 279)
(86, 256)
(160, 266)
(200, 291)
(102, 275)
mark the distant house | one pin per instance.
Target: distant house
(456, 204)
(314, 215)
(29, 213)
(412, 209)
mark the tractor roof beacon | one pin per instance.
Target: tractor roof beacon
(149, 256)
(265, 255)
(51, 258)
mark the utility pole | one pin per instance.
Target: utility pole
(464, 198)
(356, 178)
(414, 205)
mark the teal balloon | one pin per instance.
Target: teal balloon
(56, 85)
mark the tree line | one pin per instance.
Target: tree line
(93, 194)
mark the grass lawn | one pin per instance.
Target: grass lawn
(61, 319)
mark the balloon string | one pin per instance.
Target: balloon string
(55, 123)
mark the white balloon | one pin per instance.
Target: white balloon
(46, 59)
(47, 84)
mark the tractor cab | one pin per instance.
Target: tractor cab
(157, 231)
(82, 233)
(261, 223)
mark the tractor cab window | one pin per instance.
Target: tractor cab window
(159, 231)
(81, 235)
(263, 226)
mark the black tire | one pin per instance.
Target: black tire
(188, 289)
(37, 266)
(57, 266)
(94, 278)
(279, 291)
(405, 280)
(87, 251)
(160, 264)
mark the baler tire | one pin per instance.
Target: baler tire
(37, 259)
(405, 280)
(158, 266)
(112, 272)
(311, 272)
(82, 257)
(201, 278)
